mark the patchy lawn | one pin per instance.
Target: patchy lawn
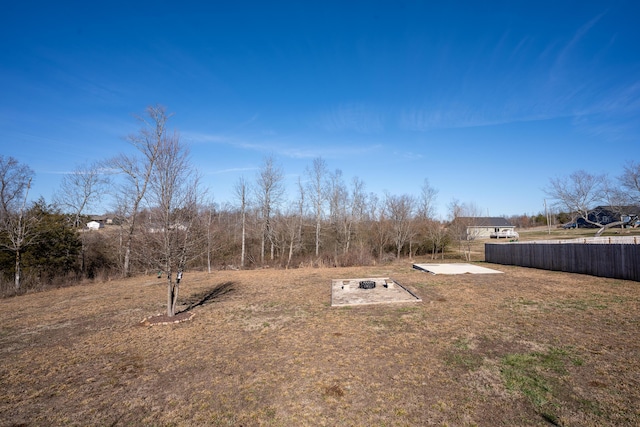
(527, 348)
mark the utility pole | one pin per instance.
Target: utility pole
(546, 214)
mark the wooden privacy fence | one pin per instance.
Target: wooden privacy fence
(597, 258)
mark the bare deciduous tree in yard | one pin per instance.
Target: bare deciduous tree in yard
(137, 172)
(630, 181)
(18, 225)
(581, 192)
(173, 200)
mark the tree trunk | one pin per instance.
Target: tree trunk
(16, 282)
(127, 256)
(610, 225)
(174, 303)
(290, 253)
(243, 239)
(172, 296)
(317, 238)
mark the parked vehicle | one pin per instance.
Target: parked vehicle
(581, 223)
(505, 234)
(570, 225)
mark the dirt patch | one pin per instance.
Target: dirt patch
(163, 319)
(526, 348)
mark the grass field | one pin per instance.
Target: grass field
(265, 348)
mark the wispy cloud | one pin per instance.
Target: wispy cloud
(291, 146)
(463, 117)
(352, 117)
(236, 142)
(577, 37)
(232, 170)
(203, 138)
(624, 100)
(329, 152)
(408, 155)
(613, 116)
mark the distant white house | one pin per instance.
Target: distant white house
(483, 227)
(94, 225)
(106, 219)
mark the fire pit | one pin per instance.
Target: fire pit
(367, 284)
(363, 290)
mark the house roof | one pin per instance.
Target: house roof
(629, 210)
(486, 221)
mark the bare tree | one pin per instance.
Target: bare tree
(241, 191)
(18, 227)
(210, 210)
(173, 200)
(630, 181)
(400, 211)
(290, 225)
(431, 230)
(317, 189)
(582, 192)
(427, 201)
(338, 201)
(379, 225)
(81, 190)
(269, 192)
(437, 236)
(137, 172)
(15, 179)
(462, 228)
(356, 210)
(296, 240)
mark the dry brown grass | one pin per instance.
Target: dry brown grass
(527, 347)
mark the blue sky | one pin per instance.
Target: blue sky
(485, 99)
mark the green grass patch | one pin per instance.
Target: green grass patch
(537, 376)
(407, 309)
(462, 356)
(580, 305)
(526, 302)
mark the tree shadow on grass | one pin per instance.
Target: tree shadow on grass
(208, 296)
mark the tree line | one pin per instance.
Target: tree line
(165, 223)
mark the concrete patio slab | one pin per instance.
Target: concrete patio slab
(454, 268)
(373, 290)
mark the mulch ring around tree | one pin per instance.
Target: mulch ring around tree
(163, 319)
